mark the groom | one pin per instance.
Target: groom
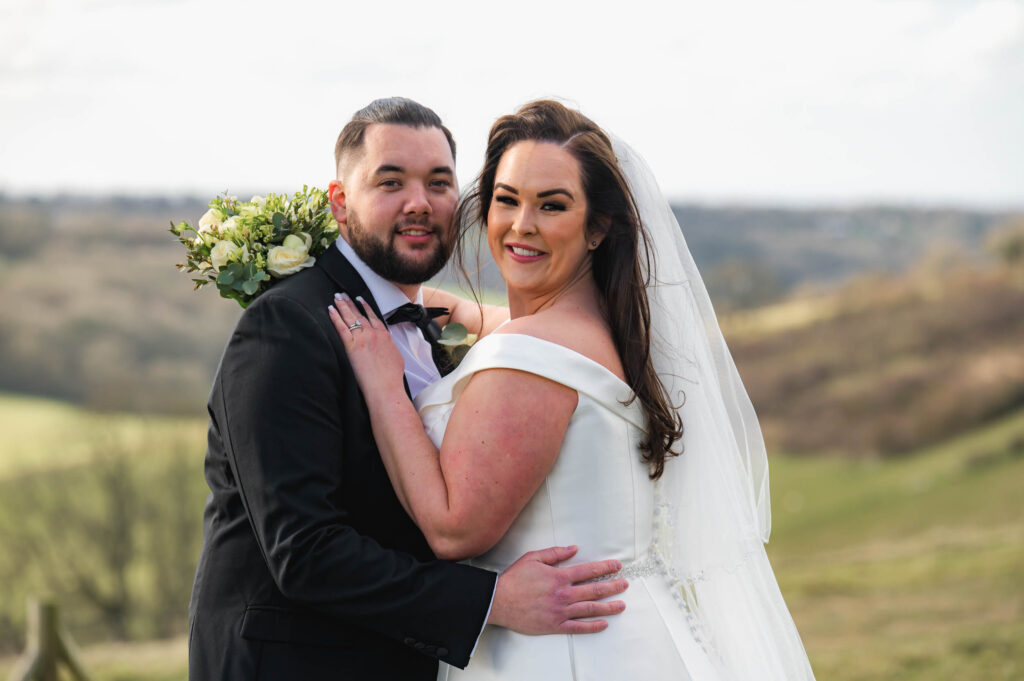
(310, 567)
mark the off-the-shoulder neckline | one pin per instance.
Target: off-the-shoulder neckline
(579, 354)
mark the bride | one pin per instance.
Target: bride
(611, 383)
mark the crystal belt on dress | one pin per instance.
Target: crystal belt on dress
(652, 564)
(642, 567)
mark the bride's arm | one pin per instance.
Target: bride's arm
(476, 317)
(501, 441)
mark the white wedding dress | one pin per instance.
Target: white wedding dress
(703, 603)
(597, 496)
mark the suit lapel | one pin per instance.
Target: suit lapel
(346, 277)
(341, 272)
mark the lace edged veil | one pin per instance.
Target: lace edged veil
(714, 512)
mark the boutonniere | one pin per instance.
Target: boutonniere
(456, 341)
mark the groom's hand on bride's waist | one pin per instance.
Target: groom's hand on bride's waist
(533, 596)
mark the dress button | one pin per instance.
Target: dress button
(409, 641)
(442, 652)
(419, 645)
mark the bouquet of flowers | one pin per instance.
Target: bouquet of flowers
(244, 246)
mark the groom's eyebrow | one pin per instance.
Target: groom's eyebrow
(439, 170)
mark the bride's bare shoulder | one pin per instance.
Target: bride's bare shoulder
(586, 334)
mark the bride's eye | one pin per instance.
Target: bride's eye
(506, 199)
(553, 206)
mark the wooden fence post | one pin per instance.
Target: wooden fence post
(48, 645)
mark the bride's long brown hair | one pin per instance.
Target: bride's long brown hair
(617, 266)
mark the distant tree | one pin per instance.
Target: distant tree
(82, 540)
(24, 228)
(1006, 241)
(942, 257)
(113, 540)
(736, 284)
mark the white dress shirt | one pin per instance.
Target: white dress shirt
(420, 370)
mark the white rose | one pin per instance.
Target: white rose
(229, 224)
(291, 256)
(223, 250)
(211, 220)
(254, 207)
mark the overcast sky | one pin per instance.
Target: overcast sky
(798, 102)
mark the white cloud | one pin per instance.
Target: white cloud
(786, 100)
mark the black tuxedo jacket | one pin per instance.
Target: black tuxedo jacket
(310, 568)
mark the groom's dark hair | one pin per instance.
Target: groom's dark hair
(394, 110)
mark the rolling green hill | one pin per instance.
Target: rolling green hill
(886, 364)
(895, 570)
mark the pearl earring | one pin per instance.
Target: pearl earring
(593, 244)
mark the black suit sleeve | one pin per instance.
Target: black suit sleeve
(281, 387)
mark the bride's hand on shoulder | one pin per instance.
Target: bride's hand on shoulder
(375, 359)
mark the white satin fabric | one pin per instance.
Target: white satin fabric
(598, 496)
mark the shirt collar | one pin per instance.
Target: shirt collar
(388, 296)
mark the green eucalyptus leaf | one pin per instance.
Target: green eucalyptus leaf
(453, 334)
(254, 274)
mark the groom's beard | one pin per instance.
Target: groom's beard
(381, 254)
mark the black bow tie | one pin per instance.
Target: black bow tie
(423, 318)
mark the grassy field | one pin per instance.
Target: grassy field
(910, 569)
(903, 570)
(41, 435)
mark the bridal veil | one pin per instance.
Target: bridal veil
(713, 514)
